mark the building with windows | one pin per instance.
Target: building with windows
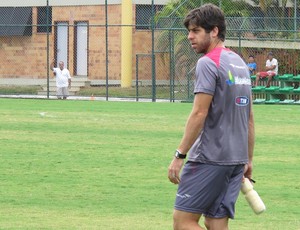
(34, 32)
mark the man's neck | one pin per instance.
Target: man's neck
(217, 44)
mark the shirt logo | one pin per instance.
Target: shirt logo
(236, 80)
(241, 101)
(231, 80)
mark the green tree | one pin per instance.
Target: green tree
(171, 36)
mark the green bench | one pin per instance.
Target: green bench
(281, 92)
(272, 101)
(296, 78)
(296, 90)
(287, 101)
(272, 89)
(259, 101)
(285, 77)
(258, 89)
(288, 89)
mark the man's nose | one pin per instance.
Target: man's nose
(190, 36)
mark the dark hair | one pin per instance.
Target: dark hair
(251, 56)
(208, 16)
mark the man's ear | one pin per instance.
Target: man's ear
(214, 33)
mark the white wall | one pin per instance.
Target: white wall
(13, 3)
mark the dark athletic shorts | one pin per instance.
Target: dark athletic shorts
(211, 190)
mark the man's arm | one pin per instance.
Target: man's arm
(193, 128)
(69, 79)
(272, 67)
(195, 121)
(274, 64)
(251, 141)
(52, 65)
(254, 67)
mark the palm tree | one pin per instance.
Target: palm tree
(171, 37)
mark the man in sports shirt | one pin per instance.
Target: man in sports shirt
(219, 133)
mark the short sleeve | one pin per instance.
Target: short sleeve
(206, 76)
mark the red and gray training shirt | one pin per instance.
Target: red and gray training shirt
(224, 138)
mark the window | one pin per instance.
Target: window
(42, 21)
(143, 16)
(15, 21)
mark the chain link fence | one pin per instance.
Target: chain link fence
(146, 56)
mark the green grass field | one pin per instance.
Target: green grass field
(103, 165)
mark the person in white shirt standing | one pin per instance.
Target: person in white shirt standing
(271, 70)
(63, 80)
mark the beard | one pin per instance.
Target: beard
(204, 45)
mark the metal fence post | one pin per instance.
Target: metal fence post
(172, 67)
(48, 46)
(106, 50)
(137, 77)
(295, 19)
(153, 53)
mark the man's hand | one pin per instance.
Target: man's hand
(248, 170)
(272, 67)
(174, 170)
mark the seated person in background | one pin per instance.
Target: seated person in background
(251, 65)
(271, 70)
